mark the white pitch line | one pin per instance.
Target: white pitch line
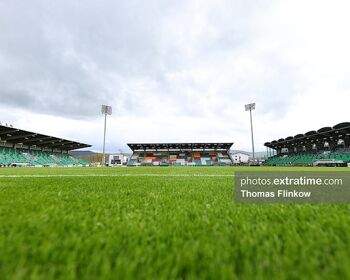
(115, 175)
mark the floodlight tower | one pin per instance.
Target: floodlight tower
(250, 107)
(105, 110)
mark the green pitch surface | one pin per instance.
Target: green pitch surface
(161, 223)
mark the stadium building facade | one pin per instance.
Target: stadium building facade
(328, 146)
(180, 154)
(24, 148)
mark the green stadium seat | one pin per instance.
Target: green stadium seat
(10, 156)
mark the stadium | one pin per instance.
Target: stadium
(24, 148)
(168, 214)
(328, 146)
(180, 154)
(221, 150)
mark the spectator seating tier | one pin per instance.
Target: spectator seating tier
(308, 158)
(180, 158)
(18, 157)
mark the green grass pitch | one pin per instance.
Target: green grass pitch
(161, 223)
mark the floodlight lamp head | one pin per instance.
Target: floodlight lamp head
(106, 110)
(249, 107)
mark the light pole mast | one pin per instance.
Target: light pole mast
(105, 110)
(250, 107)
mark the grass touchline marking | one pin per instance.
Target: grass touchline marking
(115, 175)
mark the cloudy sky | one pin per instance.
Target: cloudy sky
(174, 71)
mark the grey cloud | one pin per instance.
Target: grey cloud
(66, 58)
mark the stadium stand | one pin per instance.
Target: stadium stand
(328, 146)
(180, 154)
(23, 148)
